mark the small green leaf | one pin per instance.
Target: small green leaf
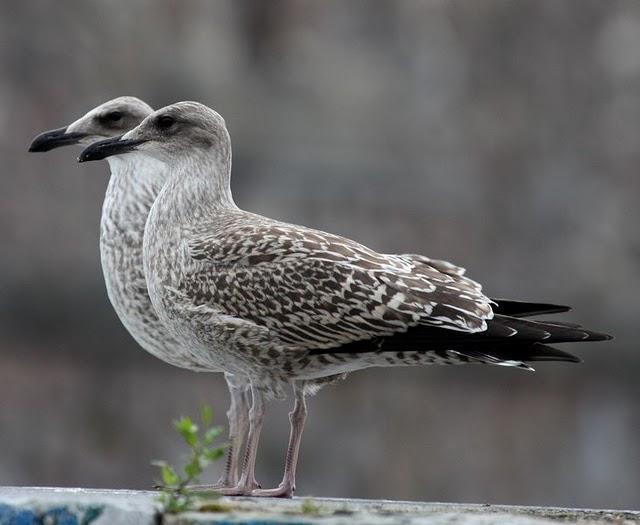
(188, 430)
(169, 476)
(212, 434)
(214, 454)
(206, 415)
(193, 469)
(177, 503)
(175, 495)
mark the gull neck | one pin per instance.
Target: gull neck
(205, 177)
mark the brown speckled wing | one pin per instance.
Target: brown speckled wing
(318, 290)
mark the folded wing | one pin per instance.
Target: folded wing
(316, 290)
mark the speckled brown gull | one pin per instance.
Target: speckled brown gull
(287, 305)
(133, 187)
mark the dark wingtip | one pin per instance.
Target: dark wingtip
(598, 336)
(550, 331)
(527, 309)
(539, 352)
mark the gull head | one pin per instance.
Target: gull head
(111, 119)
(185, 130)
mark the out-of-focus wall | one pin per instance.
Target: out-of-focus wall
(504, 136)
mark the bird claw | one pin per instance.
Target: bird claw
(239, 490)
(282, 491)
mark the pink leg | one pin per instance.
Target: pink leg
(248, 481)
(238, 427)
(297, 418)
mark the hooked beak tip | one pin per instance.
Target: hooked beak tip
(107, 148)
(89, 154)
(53, 139)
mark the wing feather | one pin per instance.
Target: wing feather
(319, 290)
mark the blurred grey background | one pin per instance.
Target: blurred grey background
(502, 135)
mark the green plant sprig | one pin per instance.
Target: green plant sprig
(175, 495)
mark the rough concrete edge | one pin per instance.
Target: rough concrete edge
(247, 510)
(140, 508)
(416, 506)
(444, 518)
(81, 506)
(556, 513)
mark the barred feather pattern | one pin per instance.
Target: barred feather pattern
(133, 187)
(318, 290)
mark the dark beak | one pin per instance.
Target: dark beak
(107, 148)
(54, 139)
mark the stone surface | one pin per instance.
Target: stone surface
(62, 506)
(55, 506)
(336, 511)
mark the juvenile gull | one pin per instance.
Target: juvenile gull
(288, 305)
(133, 187)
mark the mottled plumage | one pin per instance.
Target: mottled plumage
(284, 304)
(130, 194)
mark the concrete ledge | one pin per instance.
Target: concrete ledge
(54, 506)
(58, 506)
(336, 511)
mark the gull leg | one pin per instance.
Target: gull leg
(297, 418)
(248, 481)
(238, 426)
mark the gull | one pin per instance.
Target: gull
(133, 187)
(289, 306)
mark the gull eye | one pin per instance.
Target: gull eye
(113, 116)
(111, 119)
(165, 121)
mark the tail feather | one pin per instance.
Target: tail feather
(507, 341)
(529, 354)
(526, 309)
(549, 332)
